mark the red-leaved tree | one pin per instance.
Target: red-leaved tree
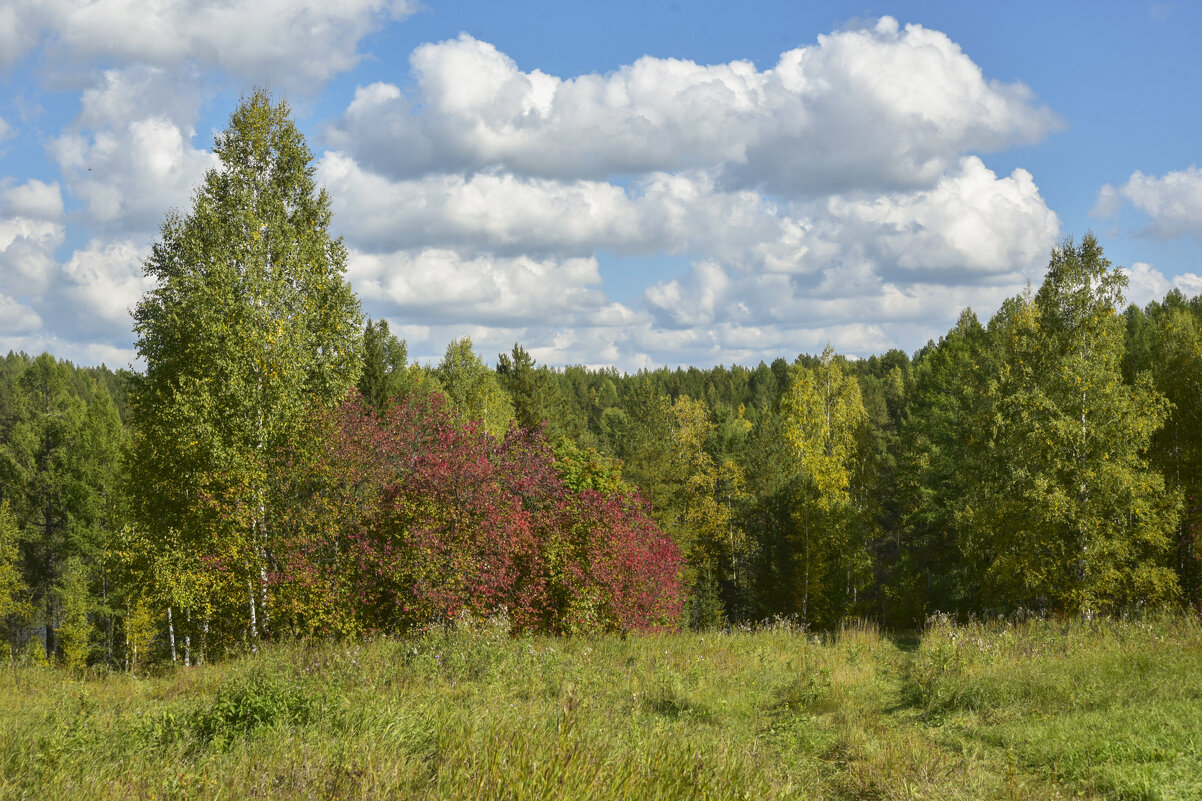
(398, 519)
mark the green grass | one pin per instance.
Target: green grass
(1038, 710)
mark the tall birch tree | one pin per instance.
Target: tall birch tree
(1068, 513)
(823, 412)
(249, 327)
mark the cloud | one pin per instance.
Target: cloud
(969, 223)
(834, 196)
(20, 24)
(446, 248)
(876, 108)
(969, 226)
(298, 44)
(129, 178)
(1172, 201)
(31, 229)
(100, 285)
(33, 199)
(1109, 202)
(128, 157)
(17, 318)
(505, 214)
(116, 96)
(86, 298)
(1145, 283)
(433, 286)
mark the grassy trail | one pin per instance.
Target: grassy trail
(1041, 710)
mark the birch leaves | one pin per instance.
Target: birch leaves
(823, 413)
(1068, 513)
(251, 326)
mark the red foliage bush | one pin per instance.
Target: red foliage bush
(419, 514)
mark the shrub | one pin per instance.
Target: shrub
(416, 515)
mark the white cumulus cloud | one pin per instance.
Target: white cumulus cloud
(836, 195)
(297, 43)
(31, 229)
(129, 156)
(879, 107)
(1145, 283)
(1173, 201)
(16, 317)
(102, 283)
(34, 199)
(432, 286)
(970, 222)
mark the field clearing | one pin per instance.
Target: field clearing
(1033, 710)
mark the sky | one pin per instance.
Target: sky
(633, 183)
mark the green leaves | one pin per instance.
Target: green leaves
(1068, 513)
(473, 388)
(824, 412)
(250, 326)
(15, 608)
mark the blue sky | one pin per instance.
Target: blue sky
(631, 183)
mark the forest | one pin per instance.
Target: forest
(280, 469)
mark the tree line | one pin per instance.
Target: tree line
(280, 468)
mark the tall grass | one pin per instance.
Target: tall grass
(1001, 710)
(1109, 706)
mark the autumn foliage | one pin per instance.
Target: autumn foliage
(397, 519)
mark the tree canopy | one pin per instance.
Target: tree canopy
(249, 328)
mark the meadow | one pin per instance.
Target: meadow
(1034, 709)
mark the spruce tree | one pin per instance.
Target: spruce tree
(385, 358)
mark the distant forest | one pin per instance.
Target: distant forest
(281, 469)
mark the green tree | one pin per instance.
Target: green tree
(51, 491)
(940, 431)
(250, 325)
(537, 396)
(517, 375)
(1066, 511)
(473, 387)
(15, 609)
(588, 469)
(702, 504)
(824, 412)
(75, 601)
(1174, 361)
(106, 511)
(385, 373)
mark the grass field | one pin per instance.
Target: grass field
(1033, 710)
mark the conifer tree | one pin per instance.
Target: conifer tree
(1175, 363)
(384, 365)
(940, 428)
(52, 494)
